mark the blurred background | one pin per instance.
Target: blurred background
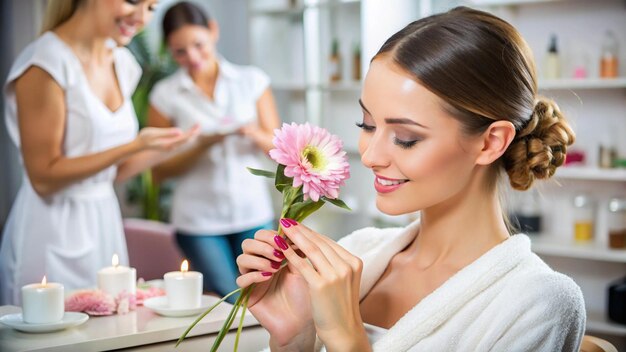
(317, 52)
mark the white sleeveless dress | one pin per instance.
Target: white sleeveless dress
(70, 235)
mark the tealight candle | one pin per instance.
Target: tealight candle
(117, 278)
(42, 303)
(183, 288)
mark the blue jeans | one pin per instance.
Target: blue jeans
(215, 257)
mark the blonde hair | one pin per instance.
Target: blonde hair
(57, 12)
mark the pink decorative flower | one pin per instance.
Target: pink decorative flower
(125, 302)
(313, 157)
(144, 294)
(92, 302)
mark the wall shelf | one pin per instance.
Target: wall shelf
(508, 2)
(547, 245)
(598, 322)
(591, 173)
(589, 83)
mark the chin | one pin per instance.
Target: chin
(392, 208)
(121, 40)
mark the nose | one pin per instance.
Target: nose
(142, 15)
(374, 153)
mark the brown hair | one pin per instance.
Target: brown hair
(182, 14)
(59, 11)
(483, 70)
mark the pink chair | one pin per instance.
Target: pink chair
(152, 248)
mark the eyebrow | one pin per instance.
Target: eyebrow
(395, 120)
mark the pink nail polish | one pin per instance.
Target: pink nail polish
(275, 265)
(278, 254)
(292, 222)
(285, 223)
(266, 273)
(280, 242)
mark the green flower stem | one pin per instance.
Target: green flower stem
(182, 337)
(243, 314)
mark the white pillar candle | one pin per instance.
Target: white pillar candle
(43, 303)
(183, 288)
(117, 278)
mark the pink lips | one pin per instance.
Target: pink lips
(380, 188)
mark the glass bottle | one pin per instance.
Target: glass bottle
(583, 218)
(334, 62)
(617, 223)
(552, 60)
(608, 57)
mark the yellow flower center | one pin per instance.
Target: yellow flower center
(315, 157)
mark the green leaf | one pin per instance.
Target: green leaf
(337, 202)
(227, 324)
(281, 180)
(263, 173)
(299, 211)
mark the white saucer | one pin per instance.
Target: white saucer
(69, 319)
(159, 305)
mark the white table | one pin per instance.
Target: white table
(139, 330)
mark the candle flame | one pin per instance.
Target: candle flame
(43, 281)
(184, 267)
(115, 260)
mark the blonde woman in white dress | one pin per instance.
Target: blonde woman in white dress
(69, 111)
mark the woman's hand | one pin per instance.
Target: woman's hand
(280, 300)
(333, 277)
(164, 139)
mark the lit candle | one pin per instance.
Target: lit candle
(183, 288)
(117, 278)
(42, 303)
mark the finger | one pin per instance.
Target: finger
(262, 248)
(296, 263)
(321, 255)
(248, 279)
(350, 258)
(249, 262)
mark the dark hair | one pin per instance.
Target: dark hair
(483, 70)
(182, 14)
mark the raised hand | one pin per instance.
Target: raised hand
(164, 139)
(280, 300)
(333, 277)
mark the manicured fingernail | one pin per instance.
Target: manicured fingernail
(280, 242)
(285, 223)
(275, 265)
(278, 254)
(291, 222)
(266, 273)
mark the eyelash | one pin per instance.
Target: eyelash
(402, 144)
(152, 8)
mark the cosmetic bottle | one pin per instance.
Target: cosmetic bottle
(608, 57)
(356, 62)
(334, 62)
(552, 69)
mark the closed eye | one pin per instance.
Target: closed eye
(364, 127)
(405, 144)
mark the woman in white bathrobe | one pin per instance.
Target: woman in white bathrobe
(449, 102)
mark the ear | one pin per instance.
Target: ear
(495, 140)
(215, 30)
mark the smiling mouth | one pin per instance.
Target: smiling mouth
(386, 182)
(127, 30)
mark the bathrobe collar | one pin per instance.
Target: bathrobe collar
(449, 298)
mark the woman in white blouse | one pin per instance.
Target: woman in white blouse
(217, 203)
(450, 107)
(69, 111)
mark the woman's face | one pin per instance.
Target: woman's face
(122, 19)
(416, 150)
(193, 47)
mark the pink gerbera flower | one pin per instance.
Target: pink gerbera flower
(313, 157)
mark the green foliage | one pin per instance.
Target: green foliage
(155, 66)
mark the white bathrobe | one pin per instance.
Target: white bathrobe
(506, 300)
